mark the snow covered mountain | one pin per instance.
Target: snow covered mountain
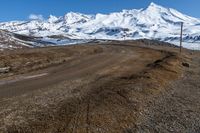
(153, 22)
(10, 40)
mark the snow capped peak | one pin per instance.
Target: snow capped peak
(74, 18)
(52, 19)
(155, 8)
(152, 4)
(72, 14)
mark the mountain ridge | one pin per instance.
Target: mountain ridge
(153, 22)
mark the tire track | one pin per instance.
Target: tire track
(88, 112)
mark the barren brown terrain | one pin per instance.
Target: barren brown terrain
(111, 87)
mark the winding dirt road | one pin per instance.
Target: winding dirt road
(100, 92)
(112, 56)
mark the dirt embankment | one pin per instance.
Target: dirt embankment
(26, 60)
(103, 90)
(177, 109)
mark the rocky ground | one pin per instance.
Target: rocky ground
(177, 109)
(111, 87)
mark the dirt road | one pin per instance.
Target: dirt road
(104, 91)
(112, 56)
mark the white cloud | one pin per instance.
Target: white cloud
(36, 17)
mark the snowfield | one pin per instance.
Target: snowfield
(153, 22)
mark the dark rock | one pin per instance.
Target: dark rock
(4, 70)
(185, 64)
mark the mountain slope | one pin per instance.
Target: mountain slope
(10, 40)
(153, 22)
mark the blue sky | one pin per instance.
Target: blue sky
(21, 9)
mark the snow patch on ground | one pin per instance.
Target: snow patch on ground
(20, 78)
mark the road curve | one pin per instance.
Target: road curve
(83, 95)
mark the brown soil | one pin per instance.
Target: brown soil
(114, 87)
